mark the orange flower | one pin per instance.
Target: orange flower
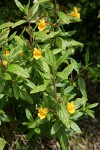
(4, 63)
(71, 107)
(75, 13)
(37, 53)
(7, 52)
(42, 25)
(42, 113)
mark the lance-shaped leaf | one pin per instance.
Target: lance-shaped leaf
(29, 115)
(63, 114)
(66, 72)
(75, 127)
(71, 42)
(4, 36)
(63, 17)
(33, 10)
(16, 69)
(56, 126)
(87, 58)
(82, 86)
(40, 88)
(6, 25)
(80, 102)
(19, 5)
(26, 96)
(60, 43)
(16, 91)
(63, 138)
(18, 23)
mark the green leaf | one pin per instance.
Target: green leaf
(33, 10)
(12, 36)
(49, 36)
(68, 89)
(60, 43)
(19, 41)
(90, 113)
(56, 126)
(57, 50)
(71, 96)
(29, 115)
(16, 69)
(63, 17)
(66, 72)
(16, 90)
(19, 23)
(39, 88)
(4, 36)
(63, 115)
(6, 25)
(2, 85)
(26, 9)
(50, 58)
(7, 76)
(87, 58)
(19, 5)
(25, 96)
(71, 43)
(82, 86)
(64, 56)
(1, 95)
(45, 66)
(37, 123)
(5, 117)
(30, 84)
(18, 145)
(75, 127)
(92, 105)
(63, 138)
(2, 143)
(76, 115)
(80, 102)
(62, 75)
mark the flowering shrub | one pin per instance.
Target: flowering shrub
(39, 78)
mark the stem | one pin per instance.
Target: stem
(56, 13)
(54, 85)
(31, 39)
(30, 32)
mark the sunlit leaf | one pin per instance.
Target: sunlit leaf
(16, 69)
(2, 143)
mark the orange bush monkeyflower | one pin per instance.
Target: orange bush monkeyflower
(7, 52)
(71, 107)
(42, 25)
(42, 113)
(4, 63)
(37, 53)
(75, 13)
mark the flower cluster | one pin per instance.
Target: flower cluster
(4, 63)
(71, 107)
(75, 13)
(7, 52)
(42, 25)
(37, 53)
(42, 113)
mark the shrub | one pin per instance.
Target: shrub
(42, 92)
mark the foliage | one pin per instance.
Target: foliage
(40, 80)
